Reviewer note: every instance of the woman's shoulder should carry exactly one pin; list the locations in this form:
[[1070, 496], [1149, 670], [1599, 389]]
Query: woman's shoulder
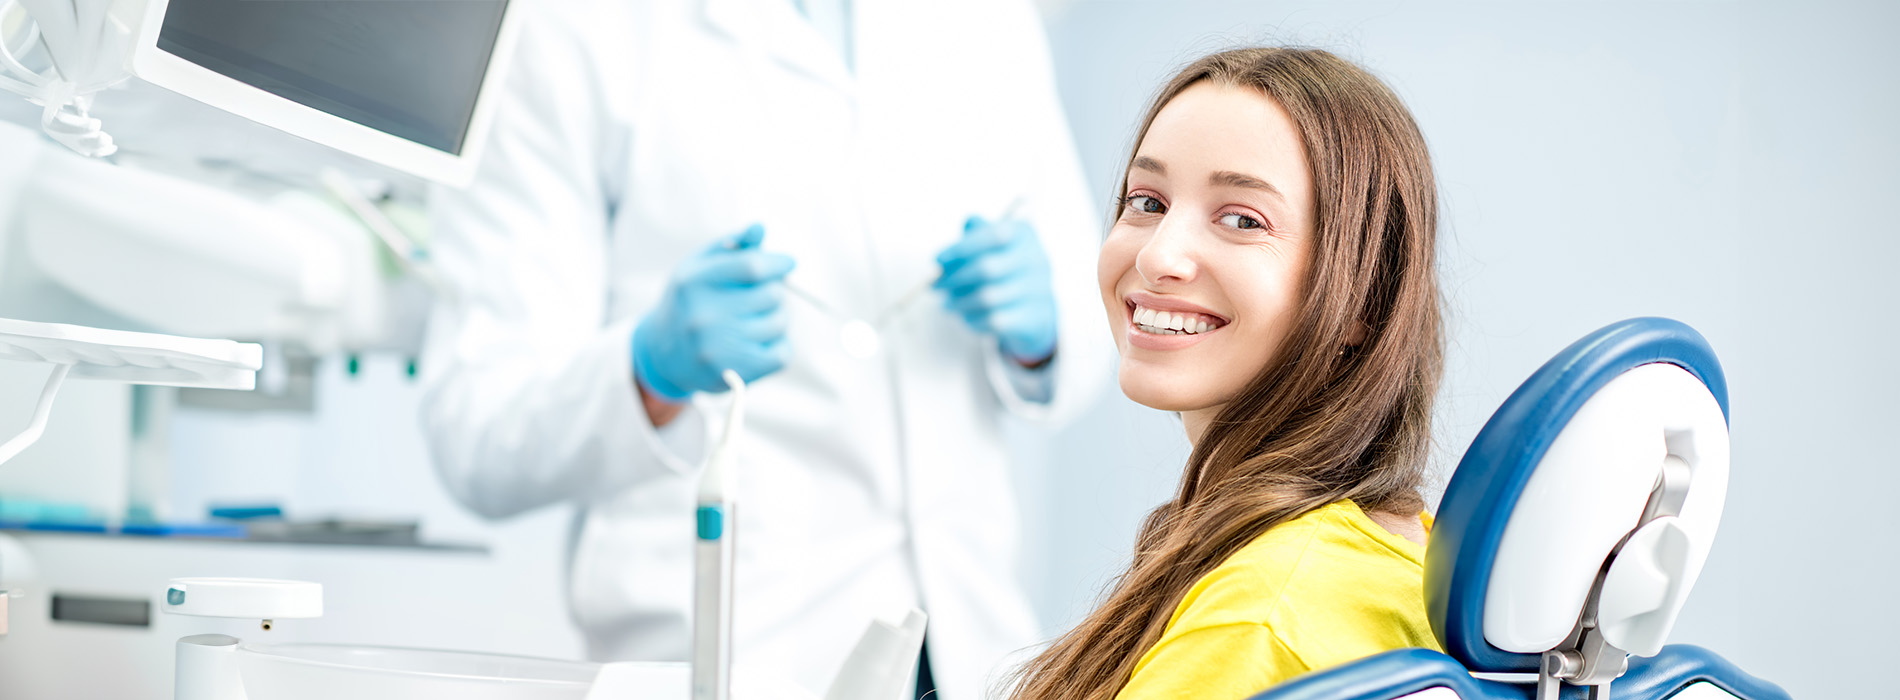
[[1333, 559], [1313, 592]]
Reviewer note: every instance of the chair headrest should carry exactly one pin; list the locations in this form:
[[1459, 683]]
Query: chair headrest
[[1611, 463]]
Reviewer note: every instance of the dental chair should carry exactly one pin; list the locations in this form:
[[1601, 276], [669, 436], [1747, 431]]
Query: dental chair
[[1570, 535]]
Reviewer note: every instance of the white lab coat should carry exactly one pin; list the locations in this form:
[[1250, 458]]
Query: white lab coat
[[637, 132]]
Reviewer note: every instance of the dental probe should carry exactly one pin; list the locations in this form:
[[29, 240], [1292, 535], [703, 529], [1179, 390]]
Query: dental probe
[[716, 529], [812, 299], [860, 337], [904, 301]]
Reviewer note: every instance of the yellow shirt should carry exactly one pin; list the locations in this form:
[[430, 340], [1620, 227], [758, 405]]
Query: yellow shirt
[[1318, 591]]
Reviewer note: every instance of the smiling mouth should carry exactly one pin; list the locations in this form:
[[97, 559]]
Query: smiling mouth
[[1158, 322]]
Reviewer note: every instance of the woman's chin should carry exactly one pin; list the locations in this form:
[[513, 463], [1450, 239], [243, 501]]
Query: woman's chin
[[1161, 393]]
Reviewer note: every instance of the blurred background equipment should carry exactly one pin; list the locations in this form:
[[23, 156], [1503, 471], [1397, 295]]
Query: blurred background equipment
[[239, 170], [403, 84]]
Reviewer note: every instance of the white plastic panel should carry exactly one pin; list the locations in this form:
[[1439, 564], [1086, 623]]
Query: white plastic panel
[[1438, 693], [1589, 492], [1674, 548], [330, 672], [628, 680], [1699, 691]]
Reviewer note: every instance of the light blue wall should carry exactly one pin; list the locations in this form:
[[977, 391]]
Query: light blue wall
[[1729, 164]]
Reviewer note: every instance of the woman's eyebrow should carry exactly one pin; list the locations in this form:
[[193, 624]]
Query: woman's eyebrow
[[1150, 165], [1230, 178]]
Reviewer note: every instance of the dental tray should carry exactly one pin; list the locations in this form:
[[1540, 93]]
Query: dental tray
[[138, 358], [79, 352]]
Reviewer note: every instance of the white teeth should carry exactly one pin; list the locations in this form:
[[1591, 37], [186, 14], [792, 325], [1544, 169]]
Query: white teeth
[[1165, 323]]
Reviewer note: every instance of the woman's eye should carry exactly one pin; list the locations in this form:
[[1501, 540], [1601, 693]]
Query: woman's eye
[[1241, 221], [1144, 204]]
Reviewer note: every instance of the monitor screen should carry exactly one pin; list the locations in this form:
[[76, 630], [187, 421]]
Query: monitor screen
[[409, 68]]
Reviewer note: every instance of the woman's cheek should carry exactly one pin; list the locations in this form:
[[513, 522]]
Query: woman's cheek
[[1114, 263]]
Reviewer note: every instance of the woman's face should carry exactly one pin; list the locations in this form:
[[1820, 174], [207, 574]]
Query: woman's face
[[1204, 272]]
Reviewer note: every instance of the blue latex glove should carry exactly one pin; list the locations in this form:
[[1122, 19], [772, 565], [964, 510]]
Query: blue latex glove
[[997, 278], [722, 310]]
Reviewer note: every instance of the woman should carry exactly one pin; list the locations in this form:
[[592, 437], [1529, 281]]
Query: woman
[[1270, 277]]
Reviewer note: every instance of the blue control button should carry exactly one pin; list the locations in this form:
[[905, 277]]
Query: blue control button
[[175, 597], [712, 522]]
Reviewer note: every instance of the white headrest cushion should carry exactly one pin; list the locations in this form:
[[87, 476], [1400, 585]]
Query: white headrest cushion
[[1589, 492]]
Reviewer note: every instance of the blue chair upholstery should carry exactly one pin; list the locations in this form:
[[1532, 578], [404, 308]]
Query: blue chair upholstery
[[1682, 665], [1471, 522], [1395, 674], [1401, 672]]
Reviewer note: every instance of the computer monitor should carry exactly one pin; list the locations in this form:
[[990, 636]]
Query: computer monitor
[[410, 84]]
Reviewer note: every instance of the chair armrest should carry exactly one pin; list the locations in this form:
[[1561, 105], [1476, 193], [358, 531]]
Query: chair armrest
[[1394, 674], [1679, 666]]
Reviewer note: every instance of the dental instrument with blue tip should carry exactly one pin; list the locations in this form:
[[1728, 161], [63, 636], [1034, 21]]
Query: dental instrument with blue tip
[[713, 558], [879, 666], [862, 338]]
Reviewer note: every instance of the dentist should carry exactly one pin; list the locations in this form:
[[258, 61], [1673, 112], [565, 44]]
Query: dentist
[[677, 187]]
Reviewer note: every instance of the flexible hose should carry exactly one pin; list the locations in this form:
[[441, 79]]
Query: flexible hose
[[67, 105], [37, 426], [24, 76]]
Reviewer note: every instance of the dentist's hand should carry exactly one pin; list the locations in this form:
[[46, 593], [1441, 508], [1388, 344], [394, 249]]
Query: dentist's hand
[[997, 278], [722, 310]]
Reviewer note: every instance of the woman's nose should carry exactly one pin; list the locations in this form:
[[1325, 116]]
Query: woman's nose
[[1168, 256]]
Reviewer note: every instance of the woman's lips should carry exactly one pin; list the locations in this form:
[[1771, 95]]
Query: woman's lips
[[1162, 342], [1172, 304]]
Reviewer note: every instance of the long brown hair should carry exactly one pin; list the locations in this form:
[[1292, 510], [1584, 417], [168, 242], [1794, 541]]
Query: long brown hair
[[1328, 421]]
